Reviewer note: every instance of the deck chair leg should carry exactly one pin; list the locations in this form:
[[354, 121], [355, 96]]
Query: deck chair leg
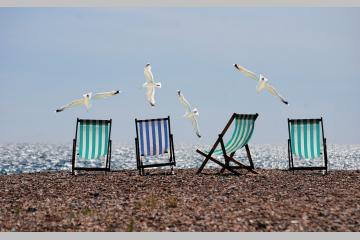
[[228, 162], [72, 166], [325, 156], [73, 157], [217, 162], [249, 156], [208, 156], [243, 166], [203, 165], [223, 169]]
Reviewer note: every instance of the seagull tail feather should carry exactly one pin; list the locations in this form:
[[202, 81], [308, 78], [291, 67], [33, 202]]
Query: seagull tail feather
[[286, 102]]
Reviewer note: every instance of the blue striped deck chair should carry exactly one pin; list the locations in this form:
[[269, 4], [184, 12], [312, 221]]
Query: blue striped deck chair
[[306, 143], [92, 142], [244, 125], [153, 138]]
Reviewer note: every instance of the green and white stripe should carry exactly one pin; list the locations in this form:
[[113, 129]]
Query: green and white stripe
[[241, 135], [305, 138], [93, 138]]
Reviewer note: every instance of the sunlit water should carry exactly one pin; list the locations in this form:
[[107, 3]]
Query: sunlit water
[[18, 158]]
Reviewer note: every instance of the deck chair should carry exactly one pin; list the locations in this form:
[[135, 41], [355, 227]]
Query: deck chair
[[94, 143], [243, 130], [153, 138], [305, 136]]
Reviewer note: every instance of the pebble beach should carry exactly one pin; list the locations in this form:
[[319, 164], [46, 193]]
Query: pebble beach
[[273, 200]]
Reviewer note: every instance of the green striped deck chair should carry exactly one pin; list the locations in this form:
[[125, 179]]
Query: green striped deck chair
[[244, 125], [306, 142], [92, 142]]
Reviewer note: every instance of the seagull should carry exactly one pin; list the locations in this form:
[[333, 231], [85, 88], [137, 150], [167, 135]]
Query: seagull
[[86, 100], [262, 82], [190, 114], [150, 85]]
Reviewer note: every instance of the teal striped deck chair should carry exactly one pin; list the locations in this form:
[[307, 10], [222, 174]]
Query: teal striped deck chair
[[244, 125], [306, 143], [154, 138], [92, 142]]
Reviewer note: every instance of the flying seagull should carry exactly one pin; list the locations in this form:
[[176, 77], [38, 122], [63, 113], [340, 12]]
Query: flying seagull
[[190, 114], [86, 100], [150, 85], [262, 82]]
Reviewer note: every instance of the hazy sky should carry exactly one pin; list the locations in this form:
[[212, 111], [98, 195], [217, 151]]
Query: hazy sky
[[49, 57]]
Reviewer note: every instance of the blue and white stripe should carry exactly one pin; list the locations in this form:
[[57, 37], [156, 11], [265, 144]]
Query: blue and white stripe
[[153, 137]]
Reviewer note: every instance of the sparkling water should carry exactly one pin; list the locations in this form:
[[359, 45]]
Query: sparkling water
[[24, 157]]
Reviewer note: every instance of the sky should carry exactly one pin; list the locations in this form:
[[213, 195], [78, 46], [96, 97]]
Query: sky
[[51, 56]]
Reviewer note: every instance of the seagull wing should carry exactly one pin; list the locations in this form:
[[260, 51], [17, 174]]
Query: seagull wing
[[150, 95], [273, 91], [105, 94], [246, 72], [70, 105], [184, 102], [148, 75], [195, 126]]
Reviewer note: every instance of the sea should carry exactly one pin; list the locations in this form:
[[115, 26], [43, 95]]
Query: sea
[[18, 158]]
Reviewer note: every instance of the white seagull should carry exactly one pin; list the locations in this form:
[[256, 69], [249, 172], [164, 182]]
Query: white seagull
[[86, 100], [150, 85], [190, 114], [262, 82]]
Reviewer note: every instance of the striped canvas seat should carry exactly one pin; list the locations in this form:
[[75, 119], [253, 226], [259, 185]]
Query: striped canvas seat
[[93, 138], [306, 138], [92, 142], [243, 130], [307, 142], [153, 136]]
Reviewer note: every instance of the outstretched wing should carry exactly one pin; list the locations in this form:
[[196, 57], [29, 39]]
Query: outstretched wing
[[195, 126], [148, 75], [184, 102], [273, 91], [246, 72], [70, 105], [150, 95], [105, 94]]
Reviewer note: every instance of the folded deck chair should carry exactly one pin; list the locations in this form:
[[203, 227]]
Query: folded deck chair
[[306, 136], [243, 130], [94, 143], [153, 138]]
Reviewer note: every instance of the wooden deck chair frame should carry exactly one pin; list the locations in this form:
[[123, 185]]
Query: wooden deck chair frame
[[108, 155], [139, 163], [290, 153], [228, 157]]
